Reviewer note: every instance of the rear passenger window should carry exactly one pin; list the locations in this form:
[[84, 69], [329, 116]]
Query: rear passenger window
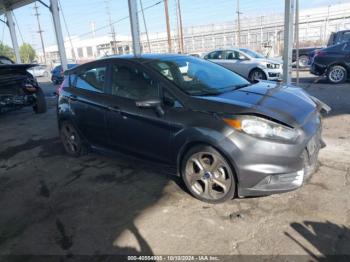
[[92, 79]]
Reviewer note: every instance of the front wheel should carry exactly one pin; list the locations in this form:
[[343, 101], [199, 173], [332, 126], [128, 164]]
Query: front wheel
[[256, 75], [337, 74], [207, 175], [72, 142]]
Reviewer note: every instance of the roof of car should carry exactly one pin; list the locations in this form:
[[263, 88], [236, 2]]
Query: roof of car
[[145, 56], [143, 59]]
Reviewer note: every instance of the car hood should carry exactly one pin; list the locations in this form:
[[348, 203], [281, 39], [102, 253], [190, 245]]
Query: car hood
[[288, 104], [13, 76]]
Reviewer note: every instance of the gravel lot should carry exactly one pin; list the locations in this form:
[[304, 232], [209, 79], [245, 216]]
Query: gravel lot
[[56, 205]]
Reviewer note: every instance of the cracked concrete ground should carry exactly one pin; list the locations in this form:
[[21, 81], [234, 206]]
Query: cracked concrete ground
[[54, 204]]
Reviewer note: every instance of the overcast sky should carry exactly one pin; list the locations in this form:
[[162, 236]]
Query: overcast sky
[[81, 14]]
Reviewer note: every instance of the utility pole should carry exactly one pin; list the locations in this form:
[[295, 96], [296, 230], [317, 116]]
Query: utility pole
[[40, 31], [297, 36], [93, 28], [145, 24], [262, 32], [238, 24], [181, 34], [166, 9], [135, 27], [288, 41], [326, 27], [114, 41]]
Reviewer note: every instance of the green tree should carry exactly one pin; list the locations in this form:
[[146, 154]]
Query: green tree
[[27, 53], [7, 51]]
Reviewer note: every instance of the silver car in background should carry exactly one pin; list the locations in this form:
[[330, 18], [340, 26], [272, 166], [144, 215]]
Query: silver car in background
[[39, 71], [249, 64]]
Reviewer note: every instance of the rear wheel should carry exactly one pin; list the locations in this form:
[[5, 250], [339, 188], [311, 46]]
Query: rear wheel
[[40, 106], [72, 142], [303, 61], [256, 75], [337, 74], [207, 175]]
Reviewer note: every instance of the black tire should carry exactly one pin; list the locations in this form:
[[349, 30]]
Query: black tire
[[257, 74], [40, 106], [207, 175], [72, 141], [337, 74]]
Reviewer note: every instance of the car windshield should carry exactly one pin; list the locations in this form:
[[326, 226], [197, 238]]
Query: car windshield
[[197, 76], [252, 53]]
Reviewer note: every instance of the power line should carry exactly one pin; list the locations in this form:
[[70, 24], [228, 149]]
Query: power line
[[121, 19], [65, 25]]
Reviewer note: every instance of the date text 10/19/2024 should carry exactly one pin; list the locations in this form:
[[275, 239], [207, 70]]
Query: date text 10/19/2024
[[173, 258]]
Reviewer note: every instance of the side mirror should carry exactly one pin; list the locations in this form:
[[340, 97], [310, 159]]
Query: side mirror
[[152, 103]]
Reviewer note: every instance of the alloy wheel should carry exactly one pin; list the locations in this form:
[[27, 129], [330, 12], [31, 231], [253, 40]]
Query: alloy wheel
[[207, 175], [70, 139], [336, 74], [257, 75], [303, 61]]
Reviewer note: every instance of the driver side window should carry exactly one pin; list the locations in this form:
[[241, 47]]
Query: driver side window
[[235, 55], [132, 83]]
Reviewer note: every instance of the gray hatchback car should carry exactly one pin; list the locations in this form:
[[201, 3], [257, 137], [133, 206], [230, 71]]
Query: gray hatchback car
[[224, 136]]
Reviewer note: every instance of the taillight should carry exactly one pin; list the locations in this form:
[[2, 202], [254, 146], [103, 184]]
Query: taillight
[[59, 89]]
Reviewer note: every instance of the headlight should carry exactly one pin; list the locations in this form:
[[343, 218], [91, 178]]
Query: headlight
[[273, 66], [262, 128]]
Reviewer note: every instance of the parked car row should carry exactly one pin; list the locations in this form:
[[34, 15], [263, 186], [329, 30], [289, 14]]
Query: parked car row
[[306, 54], [197, 117]]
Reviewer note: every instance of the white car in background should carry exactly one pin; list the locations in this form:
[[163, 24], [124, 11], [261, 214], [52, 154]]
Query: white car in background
[[39, 71], [249, 64]]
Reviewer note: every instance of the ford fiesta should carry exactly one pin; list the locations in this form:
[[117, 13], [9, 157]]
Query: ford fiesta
[[223, 135]]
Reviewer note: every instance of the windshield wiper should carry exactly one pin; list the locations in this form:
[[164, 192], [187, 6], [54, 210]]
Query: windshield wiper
[[241, 86]]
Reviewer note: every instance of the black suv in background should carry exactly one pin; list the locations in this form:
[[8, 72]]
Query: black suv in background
[[334, 62]]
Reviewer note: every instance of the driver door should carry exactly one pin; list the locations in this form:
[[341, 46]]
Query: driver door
[[132, 128], [236, 61]]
